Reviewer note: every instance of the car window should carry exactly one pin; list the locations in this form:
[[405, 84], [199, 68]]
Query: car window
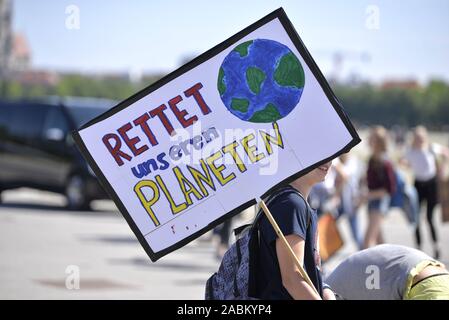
[[27, 121], [81, 115], [5, 117], [56, 120]]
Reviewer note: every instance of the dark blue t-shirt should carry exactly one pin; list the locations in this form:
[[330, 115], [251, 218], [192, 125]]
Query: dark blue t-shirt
[[294, 216]]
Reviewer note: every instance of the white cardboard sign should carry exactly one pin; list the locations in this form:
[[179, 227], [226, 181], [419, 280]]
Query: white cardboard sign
[[199, 145]]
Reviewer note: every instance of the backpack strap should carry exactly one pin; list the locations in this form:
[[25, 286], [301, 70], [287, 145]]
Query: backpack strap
[[269, 200], [255, 239], [275, 195], [239, 259], [238, 230], [271, 197]]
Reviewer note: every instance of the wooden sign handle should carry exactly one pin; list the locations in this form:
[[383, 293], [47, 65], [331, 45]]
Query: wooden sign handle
[[278, 231]]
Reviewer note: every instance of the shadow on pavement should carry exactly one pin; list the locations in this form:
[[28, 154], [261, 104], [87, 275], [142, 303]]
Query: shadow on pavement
[[89, 284], [110, 239], [168, 266], [205, 248], [30, 208]]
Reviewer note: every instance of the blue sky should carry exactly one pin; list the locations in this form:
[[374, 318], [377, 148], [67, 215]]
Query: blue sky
[[412, 40]]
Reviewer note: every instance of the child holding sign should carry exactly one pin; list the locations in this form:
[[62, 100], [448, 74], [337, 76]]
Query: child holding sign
[[278, 276]]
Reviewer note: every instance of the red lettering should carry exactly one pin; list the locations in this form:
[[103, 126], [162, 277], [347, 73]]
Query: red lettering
[[113, 142], [195, 92], [181, 114], [115, 150], [159, 112], [131, 142], [142, 122]]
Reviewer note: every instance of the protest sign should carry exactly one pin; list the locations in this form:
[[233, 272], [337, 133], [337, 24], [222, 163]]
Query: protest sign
[[199, 145]]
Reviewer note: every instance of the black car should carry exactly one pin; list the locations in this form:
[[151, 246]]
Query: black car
[[37, 150]]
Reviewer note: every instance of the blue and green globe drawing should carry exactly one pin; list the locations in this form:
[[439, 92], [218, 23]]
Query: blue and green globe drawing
[[260, 81]]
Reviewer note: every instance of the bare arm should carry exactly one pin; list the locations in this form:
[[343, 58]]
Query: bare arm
[[376, 194], [292, 280]]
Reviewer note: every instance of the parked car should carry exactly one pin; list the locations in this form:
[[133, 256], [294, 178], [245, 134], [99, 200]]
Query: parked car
[[37, 150]]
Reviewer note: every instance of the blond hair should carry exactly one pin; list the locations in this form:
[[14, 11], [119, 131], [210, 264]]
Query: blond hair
[[420, 132], [380, 137]]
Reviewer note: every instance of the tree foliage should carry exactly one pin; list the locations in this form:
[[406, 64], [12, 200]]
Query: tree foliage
[[366, 104]]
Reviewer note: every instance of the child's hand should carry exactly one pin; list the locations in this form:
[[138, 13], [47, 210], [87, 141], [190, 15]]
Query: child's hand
[[328, 294]]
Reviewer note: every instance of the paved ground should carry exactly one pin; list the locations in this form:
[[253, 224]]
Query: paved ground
[[40, 243]]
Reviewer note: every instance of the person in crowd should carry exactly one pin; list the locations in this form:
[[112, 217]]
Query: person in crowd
[[390, 272], [223, 232], [323, 196], [423, 158], [347, 182], [338, 194], [381, 184], [400, 135], [278, 276]]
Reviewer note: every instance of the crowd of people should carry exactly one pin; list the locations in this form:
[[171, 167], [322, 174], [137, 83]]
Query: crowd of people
[[380, 184]]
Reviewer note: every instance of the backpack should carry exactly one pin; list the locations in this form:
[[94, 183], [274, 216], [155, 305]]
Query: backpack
[[235, 278], [405, 197], [397, 197]]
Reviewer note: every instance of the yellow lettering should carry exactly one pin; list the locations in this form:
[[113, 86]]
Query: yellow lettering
[[231, 149], [183, 182], [147, 204], [267, 139], [199, 177], [174, 207], [217, 170], [251, 150]]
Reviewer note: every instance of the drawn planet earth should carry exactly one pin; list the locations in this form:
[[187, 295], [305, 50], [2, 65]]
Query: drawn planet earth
[[260, 81]]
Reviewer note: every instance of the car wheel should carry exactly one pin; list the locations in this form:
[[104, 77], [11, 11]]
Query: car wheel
[[75, 193]]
